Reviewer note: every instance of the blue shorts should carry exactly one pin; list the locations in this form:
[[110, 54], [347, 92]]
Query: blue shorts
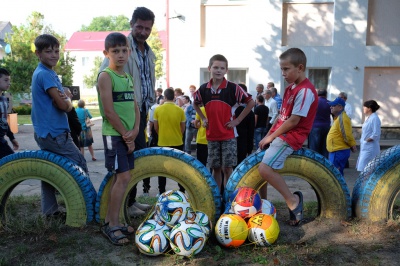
[[116, 155], [275, 156]]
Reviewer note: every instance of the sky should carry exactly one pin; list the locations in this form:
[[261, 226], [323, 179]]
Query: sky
[[67, 16]]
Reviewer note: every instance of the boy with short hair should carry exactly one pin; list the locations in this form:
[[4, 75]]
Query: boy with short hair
[[49, 115], [219, 97], [121, 118], [5, 82], [291, 128]]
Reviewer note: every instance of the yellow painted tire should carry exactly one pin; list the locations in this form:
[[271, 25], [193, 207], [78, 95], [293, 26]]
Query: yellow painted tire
[[377, 187], [179, 166], [329, 185], [69, 179]]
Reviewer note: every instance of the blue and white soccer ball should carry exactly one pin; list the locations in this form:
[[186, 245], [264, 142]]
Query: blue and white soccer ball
[[152, 237], [172, 207], [187, 238], [202, 220]]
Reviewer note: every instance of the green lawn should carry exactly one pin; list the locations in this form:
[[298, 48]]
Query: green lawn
[[26, 119]]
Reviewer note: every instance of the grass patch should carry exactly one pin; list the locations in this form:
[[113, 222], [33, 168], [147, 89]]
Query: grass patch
[[26, 119]]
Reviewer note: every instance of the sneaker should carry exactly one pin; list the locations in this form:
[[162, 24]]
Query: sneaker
[[145, 194], [133, 211], [141, 206]]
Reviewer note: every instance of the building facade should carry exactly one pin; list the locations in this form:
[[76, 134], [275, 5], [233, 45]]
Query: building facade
[[351, 45]]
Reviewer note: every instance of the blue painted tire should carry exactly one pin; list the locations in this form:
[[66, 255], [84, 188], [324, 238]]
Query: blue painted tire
[[329, 185], [377, 187], [69, 179], [198, 182]]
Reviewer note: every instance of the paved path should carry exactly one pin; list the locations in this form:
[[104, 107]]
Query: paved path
[[97, 170]]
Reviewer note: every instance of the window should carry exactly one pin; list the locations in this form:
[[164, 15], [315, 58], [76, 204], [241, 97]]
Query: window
[[318, 76], [85, 61], [307, 24], [234, 75]]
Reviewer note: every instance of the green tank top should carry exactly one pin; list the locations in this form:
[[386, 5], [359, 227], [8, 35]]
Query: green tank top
[[124, 102]]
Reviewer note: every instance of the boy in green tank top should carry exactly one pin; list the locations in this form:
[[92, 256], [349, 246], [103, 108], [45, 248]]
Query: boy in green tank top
[[121, 118]]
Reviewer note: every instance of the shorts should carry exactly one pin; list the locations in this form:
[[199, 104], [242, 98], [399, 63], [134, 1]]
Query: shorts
[[275, 156], [222, 153], [116, 155]]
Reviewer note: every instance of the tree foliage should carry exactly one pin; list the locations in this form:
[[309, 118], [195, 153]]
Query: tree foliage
[[108, 23], [121, 23], [22, 61], [91, 79]]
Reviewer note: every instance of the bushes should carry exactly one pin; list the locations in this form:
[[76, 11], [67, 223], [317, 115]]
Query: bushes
[[22, 110]]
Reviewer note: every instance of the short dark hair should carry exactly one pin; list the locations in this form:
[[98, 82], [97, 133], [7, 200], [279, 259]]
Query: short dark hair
[[260, 98], [45, 41], [169, 94], [243, 86], [4, 72], [115, 39], [322, 92], [372, 104], [187, 98], [218, 57], [159, 90], [142, 13], [296, 56]]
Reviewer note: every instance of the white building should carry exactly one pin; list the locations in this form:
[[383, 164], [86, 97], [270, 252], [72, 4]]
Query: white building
[[351, 45]]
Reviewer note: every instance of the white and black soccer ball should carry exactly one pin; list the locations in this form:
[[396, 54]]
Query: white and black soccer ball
[[187, 238], [172, 207], [152, 237]]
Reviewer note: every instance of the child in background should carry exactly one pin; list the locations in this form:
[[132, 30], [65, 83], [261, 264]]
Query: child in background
[[5, 82]]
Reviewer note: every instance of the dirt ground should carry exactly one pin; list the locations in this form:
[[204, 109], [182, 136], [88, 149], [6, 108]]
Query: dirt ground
[[315, 242]]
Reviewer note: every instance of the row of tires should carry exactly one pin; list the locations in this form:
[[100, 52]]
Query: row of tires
[[373, 196]]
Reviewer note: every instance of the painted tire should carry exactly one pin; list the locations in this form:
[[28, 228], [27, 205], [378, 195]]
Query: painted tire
[[69, 179], [377, 187], [177, 165], [329, 185]]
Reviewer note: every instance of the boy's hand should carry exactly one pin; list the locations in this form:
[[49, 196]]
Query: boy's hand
[[131, 147], [354, 148], [205, 122], [15, 144], [130, 136], [232, 124], [265, 141]]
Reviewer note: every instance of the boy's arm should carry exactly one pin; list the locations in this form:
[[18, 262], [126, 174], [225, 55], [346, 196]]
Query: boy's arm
[[131, 135], [60, 100], [290, 123], [243, 114], [183, 126], [156, 126], [10, 135], [200, 113], [105, 90]]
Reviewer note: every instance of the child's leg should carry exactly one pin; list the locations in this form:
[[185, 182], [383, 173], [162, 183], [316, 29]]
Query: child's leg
[[216, 172], [117, 193], [228, 157], [48, 200]]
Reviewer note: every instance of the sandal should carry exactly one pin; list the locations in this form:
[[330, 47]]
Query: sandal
[[296, 215], [125, 229], [109, 232]]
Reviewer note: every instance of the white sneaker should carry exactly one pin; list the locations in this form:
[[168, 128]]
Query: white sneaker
[[133, 211], [145, 194], [142, 206]]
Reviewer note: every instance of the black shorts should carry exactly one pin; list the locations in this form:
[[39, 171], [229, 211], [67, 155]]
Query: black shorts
[[116, 155]]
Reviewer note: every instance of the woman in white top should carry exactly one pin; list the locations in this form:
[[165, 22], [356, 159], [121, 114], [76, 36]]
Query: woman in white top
[[371, 133]]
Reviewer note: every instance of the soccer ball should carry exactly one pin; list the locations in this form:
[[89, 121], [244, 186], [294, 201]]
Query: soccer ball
[[268, 208], [173, 195], [263, 229], [245, 202], [151, 238], [231, 230], [201, 219], [187, 238], [172, 207]]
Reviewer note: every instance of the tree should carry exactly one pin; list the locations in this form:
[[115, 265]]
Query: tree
[[22, 61], [91, 79], [108, 23], [121, 23]]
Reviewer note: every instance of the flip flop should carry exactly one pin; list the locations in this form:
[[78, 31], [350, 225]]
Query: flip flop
[[296, 215], [109, 232]]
